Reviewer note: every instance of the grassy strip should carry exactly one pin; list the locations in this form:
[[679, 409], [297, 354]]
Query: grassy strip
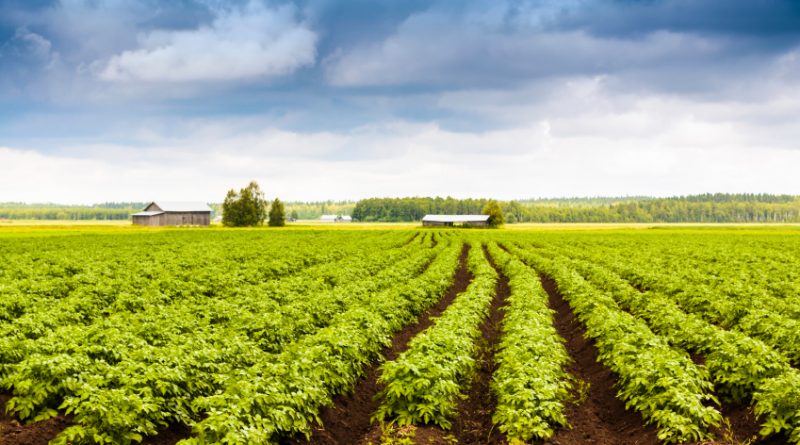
[[424, 384], [530, 398]]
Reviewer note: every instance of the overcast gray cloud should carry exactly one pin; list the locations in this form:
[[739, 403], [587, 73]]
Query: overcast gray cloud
[[318, 98]]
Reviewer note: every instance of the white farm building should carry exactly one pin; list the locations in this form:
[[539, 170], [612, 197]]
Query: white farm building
[[335, 218], [456, 220]]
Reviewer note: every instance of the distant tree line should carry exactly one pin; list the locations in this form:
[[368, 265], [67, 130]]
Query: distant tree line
[[308, 210], [413, 209], [721, 207], [708, 208], [104, 211], [313, 210]]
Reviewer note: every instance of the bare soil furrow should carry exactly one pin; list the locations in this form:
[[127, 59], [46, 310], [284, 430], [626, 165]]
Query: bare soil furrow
[[473, 426], [596, 416], [347, 421], [13, 432]]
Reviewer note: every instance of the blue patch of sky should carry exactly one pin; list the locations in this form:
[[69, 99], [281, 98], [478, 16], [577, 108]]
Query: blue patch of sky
[[635, 17]]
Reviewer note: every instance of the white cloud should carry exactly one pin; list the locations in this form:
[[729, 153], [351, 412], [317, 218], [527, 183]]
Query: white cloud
[[581, 135], [240, 44], [653, 146]]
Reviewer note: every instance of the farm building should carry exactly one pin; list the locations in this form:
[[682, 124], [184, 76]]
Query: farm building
[[456, 220], [164, 213], [335, 218]]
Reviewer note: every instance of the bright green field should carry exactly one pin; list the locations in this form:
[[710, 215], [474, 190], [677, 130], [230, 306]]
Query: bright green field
[[243, 335]]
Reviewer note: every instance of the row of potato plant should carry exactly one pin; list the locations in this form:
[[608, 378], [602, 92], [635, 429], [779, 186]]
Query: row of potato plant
[[118, 349], [423, 385], [745, 288], [660, 382], [743, 368], [531, 383], [280, 398], [107, 281], [47, 282], [141, 369]]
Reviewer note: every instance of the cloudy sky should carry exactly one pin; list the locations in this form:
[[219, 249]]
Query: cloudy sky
[[105, 100]]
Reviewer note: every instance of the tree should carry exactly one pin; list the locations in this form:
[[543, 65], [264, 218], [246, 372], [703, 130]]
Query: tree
[[277, 214], [492, 208], [244, 209], [295, 215]]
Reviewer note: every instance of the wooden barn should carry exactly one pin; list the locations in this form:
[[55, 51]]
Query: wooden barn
[[165, 213], [456, 220]]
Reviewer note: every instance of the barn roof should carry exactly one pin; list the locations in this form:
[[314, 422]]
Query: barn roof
[[456, 218], [147, 213], [181, 206]]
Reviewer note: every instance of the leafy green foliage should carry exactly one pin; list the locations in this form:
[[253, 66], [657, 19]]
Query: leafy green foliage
[[186, 328], [244, 337], [660, 382], [283, 396], [530, 399], [424, 384], [684, 301]]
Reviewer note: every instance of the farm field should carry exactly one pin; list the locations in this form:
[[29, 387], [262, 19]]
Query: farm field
[[400, 335]]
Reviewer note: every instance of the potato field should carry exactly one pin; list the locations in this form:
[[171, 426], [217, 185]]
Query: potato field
[[400, 336]]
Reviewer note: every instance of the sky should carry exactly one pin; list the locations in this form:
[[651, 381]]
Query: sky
[[107, 100]]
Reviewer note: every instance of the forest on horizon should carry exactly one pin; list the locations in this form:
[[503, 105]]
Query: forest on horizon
[[703, 208]]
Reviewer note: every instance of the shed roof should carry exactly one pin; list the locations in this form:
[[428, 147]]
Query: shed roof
[[456, 218], [147, 213], [181, 206]]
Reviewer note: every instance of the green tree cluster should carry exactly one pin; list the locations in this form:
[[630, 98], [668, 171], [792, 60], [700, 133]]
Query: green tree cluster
[[246, 208], [492, 208], [277, 214]]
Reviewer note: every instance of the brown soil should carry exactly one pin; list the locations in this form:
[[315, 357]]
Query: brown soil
[[741, 427], [347, 421], [599, 418], [410, 240], [603, 419], [169, 436], [473, 425], [39, 433]]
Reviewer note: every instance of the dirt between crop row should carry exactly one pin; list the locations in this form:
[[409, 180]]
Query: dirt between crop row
[[473, 425], [602, 419], [13, 432], [347, 421]]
